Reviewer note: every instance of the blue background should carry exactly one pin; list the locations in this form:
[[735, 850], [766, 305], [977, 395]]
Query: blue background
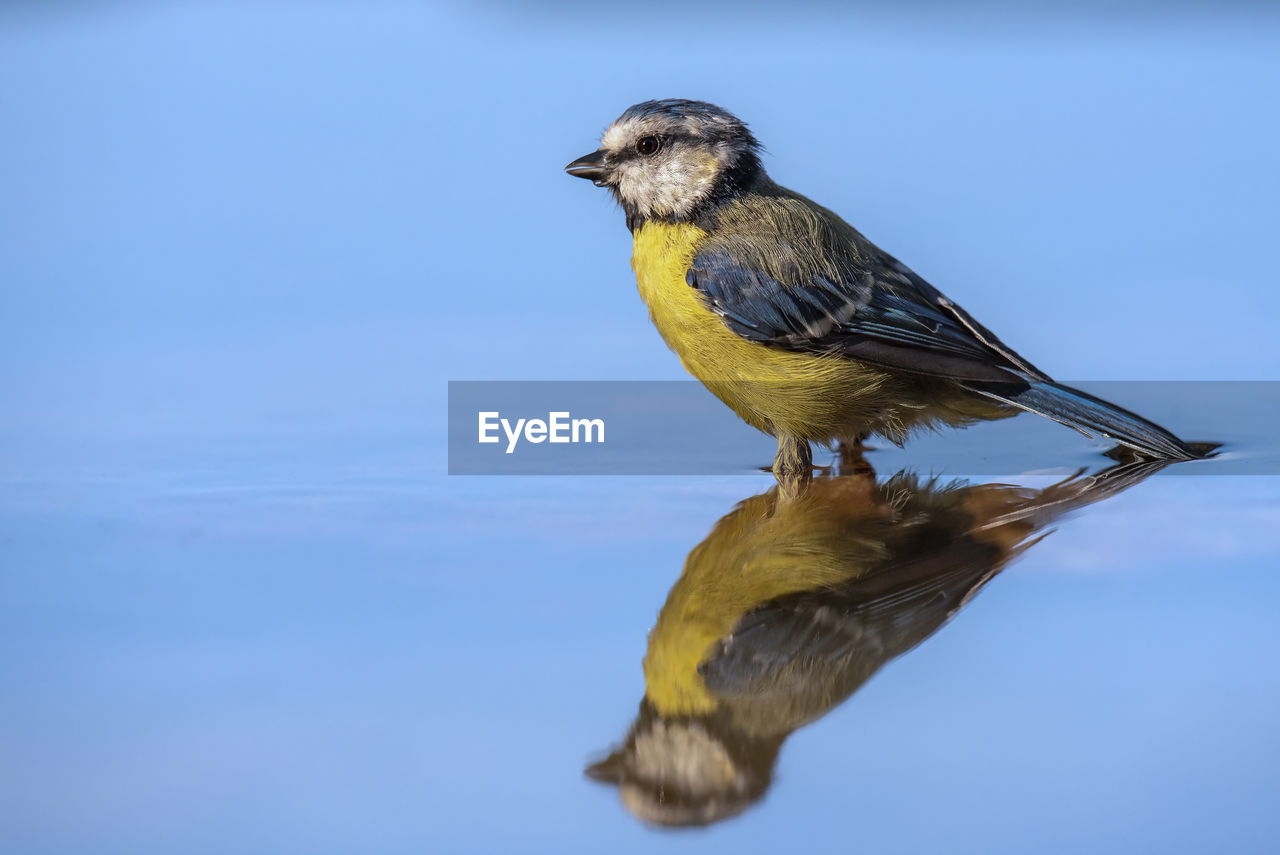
[[243, 246]]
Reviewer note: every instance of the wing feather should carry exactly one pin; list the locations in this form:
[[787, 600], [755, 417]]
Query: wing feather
[[814, 284]]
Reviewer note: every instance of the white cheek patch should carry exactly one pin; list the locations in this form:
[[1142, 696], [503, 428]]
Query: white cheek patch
[[680, 183], [673, 182], [671, 186]]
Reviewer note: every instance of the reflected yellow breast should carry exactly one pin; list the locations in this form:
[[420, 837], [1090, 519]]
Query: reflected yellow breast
[[761, 551]]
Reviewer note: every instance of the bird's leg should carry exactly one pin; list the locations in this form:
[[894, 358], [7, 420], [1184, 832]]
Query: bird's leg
[[851, 460], [794, 461]]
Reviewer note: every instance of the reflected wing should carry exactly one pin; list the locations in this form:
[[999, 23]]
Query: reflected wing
[[815, 648]]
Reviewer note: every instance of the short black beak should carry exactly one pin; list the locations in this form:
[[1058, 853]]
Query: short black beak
[[590, 167], [610, 770]]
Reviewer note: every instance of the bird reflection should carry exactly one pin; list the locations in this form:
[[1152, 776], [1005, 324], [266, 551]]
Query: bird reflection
[[793, 601]]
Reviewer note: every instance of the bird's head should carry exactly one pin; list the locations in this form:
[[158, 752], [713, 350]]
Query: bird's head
[[671, 159], [687, 771]]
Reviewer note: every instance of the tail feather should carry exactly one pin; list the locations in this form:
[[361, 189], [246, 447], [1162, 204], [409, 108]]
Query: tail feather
[[1092, 417]]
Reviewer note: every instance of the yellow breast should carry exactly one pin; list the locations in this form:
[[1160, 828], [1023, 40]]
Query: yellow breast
[[777, 391]]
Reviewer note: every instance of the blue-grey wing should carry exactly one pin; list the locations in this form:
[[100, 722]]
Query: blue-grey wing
[[792, 275]]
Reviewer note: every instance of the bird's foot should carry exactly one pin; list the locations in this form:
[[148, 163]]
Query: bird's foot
[[851, 459], [793, 464]]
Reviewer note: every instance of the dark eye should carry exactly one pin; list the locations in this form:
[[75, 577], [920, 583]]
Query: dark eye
[[648, 145]]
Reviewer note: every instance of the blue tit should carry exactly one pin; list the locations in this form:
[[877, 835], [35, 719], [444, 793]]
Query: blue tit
[[790, 605], [801, 325]]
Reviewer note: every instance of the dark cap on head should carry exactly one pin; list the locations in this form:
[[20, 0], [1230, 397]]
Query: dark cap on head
[[699, 119]]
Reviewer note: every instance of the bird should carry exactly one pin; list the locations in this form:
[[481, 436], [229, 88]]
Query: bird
[[801, 325], [788, 607]]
